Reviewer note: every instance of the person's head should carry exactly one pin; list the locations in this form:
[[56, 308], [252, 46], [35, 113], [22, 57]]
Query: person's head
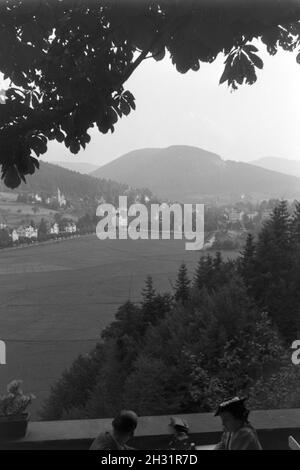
[[233, 413], [124, 425]]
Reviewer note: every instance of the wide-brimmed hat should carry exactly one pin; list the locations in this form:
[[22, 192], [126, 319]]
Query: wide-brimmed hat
[[233, 404]]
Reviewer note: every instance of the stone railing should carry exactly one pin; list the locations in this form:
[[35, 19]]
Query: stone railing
[[153, 432]]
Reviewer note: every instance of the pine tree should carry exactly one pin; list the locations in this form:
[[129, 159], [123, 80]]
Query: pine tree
[[247, 253], [295, 225], [273, 283], [280, 225], [217, 261], [204, 273], [148, 292], [219, 270], [199, 276], [182, 285], [42, 230], [246, 261], [5, 239], [154, 306], [273, 252]]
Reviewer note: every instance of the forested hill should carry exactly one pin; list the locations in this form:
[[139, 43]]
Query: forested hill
[[188, 174], [73, 184]]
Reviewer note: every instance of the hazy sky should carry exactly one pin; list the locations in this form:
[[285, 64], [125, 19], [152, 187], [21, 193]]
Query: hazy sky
[[193, 109]]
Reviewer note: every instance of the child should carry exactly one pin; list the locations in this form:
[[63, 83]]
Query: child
[[180, 440]]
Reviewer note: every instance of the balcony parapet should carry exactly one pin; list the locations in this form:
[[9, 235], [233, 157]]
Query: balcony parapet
[[153, 432]]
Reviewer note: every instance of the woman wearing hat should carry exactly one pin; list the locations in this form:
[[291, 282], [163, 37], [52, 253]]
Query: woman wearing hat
[[238, 433]]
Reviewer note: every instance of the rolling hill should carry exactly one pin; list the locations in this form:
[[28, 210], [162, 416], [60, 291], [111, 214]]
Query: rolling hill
[[281, 165], [73, 184], [81, 167], [190, 174]]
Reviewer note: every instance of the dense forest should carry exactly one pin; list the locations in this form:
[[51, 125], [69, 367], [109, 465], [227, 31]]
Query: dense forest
[[225, 329], [73, 185]]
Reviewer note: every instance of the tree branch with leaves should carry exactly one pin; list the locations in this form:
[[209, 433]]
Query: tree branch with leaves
[[68, 61]]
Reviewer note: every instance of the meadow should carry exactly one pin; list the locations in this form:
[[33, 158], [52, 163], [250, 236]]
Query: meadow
[[56, 298], [14, 213]]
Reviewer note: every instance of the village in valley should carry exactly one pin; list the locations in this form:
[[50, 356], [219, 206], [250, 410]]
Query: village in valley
[[29, 217]]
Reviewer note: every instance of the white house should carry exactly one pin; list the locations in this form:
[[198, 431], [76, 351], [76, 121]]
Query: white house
[[235, 216], [14, 235], [71, 227], [31, 232], [209, 243], [252, 215], [27, 232], [2, 352], [61, 198], [54, 229]]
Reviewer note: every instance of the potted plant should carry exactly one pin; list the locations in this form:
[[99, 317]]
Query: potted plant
[[13, 418]]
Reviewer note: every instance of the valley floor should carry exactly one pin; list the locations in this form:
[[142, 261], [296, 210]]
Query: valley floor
[[56, 298]]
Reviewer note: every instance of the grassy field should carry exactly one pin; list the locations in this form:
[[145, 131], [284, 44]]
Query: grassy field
[[16, 213], [56, 298], [13, 213], [8, 197]]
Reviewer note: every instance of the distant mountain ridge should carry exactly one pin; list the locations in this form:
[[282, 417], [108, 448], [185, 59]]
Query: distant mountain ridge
[[281, 165], [188, 174], [81, 167]]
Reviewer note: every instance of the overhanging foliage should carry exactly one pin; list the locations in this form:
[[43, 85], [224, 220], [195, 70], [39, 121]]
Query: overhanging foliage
[[68, 60]]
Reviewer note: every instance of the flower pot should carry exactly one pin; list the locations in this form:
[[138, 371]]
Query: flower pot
[[13, 426]]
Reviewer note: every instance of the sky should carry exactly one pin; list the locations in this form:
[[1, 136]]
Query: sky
[[193, 109]]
